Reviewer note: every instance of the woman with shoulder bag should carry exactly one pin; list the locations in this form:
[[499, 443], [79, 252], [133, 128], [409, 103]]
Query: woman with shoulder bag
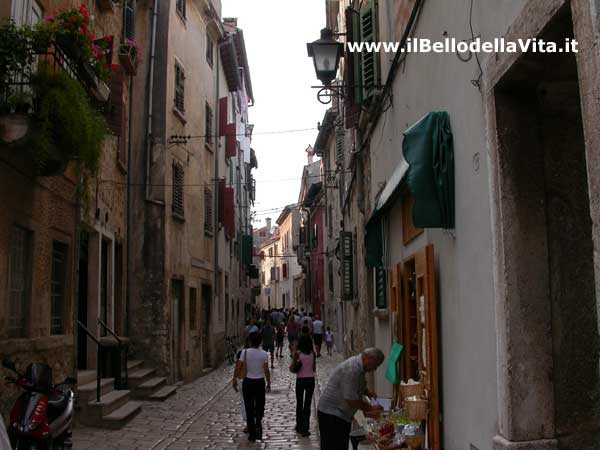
[[254, 369], [304, 365]]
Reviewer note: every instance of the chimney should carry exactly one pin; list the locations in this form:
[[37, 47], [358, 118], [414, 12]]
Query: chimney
[[268, 220], [310, 153]]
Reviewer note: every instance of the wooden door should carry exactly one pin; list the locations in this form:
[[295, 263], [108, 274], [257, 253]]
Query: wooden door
[[421, 333]]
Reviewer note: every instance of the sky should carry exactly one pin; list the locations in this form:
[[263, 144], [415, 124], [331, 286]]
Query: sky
[[276, 33]]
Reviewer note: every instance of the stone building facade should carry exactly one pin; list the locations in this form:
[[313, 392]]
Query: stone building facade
[[508, 287], [64, 253]]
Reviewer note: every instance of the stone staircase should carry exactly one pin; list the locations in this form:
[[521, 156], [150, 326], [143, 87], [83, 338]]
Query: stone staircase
[[116, 408]]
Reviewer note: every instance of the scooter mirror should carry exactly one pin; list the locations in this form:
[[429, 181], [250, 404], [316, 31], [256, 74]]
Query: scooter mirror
[[6, 362]]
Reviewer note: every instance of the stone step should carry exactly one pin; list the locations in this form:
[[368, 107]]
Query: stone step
[[134, 364], [85, 376], [120, 417], [140, 376], [163, 393], [148, 387], [87, 392], [95, 411]]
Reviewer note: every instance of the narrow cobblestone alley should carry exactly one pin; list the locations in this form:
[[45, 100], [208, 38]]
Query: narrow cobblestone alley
[[206, 414]]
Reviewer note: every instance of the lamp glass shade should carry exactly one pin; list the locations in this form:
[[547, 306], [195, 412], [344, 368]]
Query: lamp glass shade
[[326, 53]]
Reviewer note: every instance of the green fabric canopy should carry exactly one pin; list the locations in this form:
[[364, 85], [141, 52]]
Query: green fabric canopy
[[428, 149]]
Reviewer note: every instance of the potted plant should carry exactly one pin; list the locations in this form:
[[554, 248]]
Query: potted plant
[[66, 127], [128, 56]]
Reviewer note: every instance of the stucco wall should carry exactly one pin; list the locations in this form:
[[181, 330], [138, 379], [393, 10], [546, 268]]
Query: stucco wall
[[463, 256]]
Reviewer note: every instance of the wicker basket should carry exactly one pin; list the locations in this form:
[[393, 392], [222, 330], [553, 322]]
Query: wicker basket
[[415, 442], [412, 390], [416, 408]]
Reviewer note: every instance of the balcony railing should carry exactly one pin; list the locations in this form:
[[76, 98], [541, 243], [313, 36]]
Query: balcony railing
[[57, 60]]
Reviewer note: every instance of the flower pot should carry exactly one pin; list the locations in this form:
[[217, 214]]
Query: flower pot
[[106, 5], [13, 127], [128, 61]]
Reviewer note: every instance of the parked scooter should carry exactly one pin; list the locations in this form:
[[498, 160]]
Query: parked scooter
[[42, 417]]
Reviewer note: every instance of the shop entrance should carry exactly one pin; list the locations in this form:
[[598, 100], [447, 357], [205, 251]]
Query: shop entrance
[[546, 293]]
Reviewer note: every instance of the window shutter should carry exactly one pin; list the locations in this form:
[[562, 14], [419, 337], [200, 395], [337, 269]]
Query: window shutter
[[231, 141], [208, 210], [285, 272], [370, 63], [380, 287], [223, 116], [129, 20], [221, 198], [352, 76], [340, 136], [229, 213], [347, 266], [179, 88], [315, 236], [115, 114], [178, 178]]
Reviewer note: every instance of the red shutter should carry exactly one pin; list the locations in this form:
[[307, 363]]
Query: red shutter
[[221, 194], [231, 141], [229, 213], [223, 116]]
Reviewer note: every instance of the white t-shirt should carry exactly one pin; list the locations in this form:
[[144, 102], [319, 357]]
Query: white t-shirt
[[317, 327], [255, 364]]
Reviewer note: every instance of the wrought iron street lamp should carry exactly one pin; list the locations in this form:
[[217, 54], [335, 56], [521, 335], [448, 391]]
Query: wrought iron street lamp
[[326, 53]]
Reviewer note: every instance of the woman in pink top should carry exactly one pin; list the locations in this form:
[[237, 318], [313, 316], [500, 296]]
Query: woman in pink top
[[305, 383]]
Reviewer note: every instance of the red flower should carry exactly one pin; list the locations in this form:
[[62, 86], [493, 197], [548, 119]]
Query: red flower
[[108, 38], [84, 28], [115, 67], [74, 19]]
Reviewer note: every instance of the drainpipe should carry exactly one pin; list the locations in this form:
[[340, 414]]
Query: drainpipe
[[129, 225], [149, 97], [216, 293]]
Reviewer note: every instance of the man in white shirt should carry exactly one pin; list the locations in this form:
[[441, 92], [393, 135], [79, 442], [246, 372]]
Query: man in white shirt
[[318, 334]]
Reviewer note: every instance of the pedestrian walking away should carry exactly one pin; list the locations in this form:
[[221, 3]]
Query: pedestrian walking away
[[279, 335], [329, 341], [304, 364], [318, 334], [257, 381], [343, 396], [292, 332], [268, 340]]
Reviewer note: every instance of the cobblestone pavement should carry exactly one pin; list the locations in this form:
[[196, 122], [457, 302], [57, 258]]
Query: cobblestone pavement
[[205, 414]]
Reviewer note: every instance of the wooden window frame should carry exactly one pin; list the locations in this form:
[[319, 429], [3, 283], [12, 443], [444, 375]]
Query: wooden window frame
[[409, 231], [25, 260], [210, 50], [58, 288]]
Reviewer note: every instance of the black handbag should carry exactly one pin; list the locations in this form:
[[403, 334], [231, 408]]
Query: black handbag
[[296, 364]]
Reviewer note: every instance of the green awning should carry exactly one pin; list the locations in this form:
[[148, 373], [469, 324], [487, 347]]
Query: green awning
[[428, 149]]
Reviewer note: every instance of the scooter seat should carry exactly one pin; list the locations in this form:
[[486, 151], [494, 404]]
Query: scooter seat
[[57, 403]]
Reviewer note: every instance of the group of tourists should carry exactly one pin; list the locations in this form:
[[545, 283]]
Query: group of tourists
[[305, 333], [345, 393]]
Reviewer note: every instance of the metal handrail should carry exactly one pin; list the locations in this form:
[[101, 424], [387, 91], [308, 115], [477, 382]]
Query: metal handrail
[[106, 327], [90, 335], [121, 345]]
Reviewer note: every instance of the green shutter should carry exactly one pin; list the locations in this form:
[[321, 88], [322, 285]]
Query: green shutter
[[347, 266], [380, 287], [357, 61], [370, 60]]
